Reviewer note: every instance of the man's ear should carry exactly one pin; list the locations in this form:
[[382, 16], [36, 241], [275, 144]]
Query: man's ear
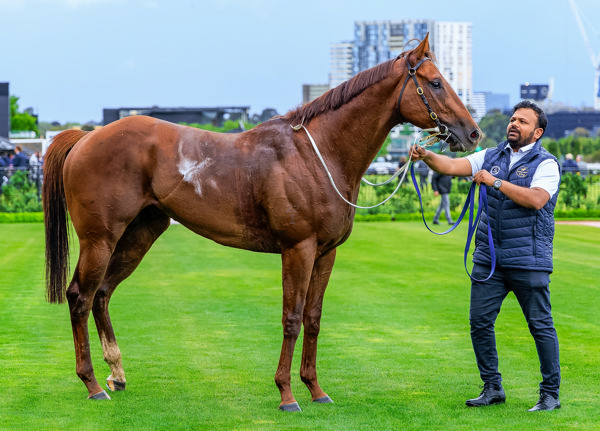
[[538, 133]]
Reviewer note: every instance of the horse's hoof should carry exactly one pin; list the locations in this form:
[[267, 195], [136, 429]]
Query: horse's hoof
[[99, 396], [114, 385], [323, 400], [294, 407]]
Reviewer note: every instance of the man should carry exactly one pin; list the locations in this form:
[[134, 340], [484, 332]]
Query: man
[[522, 181], [569, 165], [20, 160], [423, 171], [582, 165], [441, 185]]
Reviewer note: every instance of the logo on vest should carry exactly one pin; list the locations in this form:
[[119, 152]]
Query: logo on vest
[[522, 172], [495, 170]]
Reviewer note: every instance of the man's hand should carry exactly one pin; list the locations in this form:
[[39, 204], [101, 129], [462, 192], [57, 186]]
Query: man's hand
[[534, 198], [417, 153], [484, 177], [459, 167]]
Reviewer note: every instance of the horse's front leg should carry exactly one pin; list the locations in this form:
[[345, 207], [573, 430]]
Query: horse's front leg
[[297, 264], [312, 323]]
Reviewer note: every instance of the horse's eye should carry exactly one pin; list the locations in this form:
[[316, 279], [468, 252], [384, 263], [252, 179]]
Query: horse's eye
[[436, 83]]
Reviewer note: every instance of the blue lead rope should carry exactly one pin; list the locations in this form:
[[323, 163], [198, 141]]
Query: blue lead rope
[[469, 203]]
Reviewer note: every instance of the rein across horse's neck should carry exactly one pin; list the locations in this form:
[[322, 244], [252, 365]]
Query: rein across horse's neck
[[332, 181], [435, 135], [424, 142]]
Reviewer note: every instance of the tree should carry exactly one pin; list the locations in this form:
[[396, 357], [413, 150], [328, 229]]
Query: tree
[[21, 121], [581, 132], [493, 125]]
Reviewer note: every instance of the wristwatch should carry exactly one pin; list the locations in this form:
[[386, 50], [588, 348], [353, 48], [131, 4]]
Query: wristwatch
[[497, 183]]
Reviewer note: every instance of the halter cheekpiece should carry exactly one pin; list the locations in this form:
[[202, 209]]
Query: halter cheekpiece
[[412, 73]]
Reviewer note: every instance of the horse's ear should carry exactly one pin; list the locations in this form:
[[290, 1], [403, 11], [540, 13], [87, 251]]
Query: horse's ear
[[423, 47]]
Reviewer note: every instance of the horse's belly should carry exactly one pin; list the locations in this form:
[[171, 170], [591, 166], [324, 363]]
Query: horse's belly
[[230, 235], [225, 219]]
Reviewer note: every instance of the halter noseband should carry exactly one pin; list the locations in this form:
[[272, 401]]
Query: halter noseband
[[412, 72]]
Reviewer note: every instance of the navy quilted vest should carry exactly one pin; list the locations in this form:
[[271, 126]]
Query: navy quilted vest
[[522, 236]]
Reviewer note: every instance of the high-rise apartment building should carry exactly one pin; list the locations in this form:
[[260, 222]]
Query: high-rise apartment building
[[341, 63], [453, 50], [378, 41]]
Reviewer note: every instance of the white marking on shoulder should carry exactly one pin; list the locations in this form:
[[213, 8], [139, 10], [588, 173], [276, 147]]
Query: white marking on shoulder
[[191, 170]]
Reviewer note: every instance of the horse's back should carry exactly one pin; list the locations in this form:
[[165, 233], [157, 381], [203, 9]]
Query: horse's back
[[208, 181], [253, 190]]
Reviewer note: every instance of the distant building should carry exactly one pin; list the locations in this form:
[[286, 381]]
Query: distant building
[[266, 114], [478, 105], [561, 124], [4, 110], [483, 102], [378, 41], [215, 116], [311, 91], [453, 49], [341, 63], [535, 92], [402, 137]]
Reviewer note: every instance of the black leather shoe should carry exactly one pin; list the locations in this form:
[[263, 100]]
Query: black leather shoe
[[492, 394], [436, 222], [546, 403]]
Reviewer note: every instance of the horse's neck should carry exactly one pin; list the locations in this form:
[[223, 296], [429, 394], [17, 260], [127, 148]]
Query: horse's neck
[[356, 138]]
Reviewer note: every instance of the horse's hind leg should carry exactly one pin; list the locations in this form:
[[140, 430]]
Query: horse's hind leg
[[312, 323], [89, 272], [131, 248]]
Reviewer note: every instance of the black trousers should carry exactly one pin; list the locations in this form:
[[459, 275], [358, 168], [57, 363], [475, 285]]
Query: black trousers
[[533, 293]]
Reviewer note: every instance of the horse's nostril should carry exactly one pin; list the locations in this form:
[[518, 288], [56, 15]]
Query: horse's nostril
[[474, 135]]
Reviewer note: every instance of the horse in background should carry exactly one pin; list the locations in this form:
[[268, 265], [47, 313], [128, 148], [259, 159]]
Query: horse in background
[[262, 190]]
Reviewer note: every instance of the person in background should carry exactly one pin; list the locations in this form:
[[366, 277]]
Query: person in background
[[441, 185], [569, 166], [34, 160], [20, 160], [423, 171], [582, 165], [522, 181]]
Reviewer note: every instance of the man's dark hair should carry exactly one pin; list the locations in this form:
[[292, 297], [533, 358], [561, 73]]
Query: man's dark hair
[[542, 120]]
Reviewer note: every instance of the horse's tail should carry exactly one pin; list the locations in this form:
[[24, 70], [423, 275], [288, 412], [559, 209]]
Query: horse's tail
[[55, 215]]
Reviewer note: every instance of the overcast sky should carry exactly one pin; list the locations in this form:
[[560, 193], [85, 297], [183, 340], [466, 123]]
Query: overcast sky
[[69, 59]]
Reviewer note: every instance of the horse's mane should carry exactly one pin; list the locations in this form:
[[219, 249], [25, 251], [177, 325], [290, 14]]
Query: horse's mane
[[346, 91], [341, 94]]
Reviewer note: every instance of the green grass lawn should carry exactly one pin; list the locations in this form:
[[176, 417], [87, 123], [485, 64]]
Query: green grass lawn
[[199, 326]]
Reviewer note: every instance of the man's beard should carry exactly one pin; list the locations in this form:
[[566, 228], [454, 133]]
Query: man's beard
[[520, 141]]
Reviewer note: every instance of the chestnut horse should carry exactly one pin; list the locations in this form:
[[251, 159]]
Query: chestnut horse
[[263, 190]]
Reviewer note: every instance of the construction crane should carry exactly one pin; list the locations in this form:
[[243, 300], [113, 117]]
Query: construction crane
[[595, 58]]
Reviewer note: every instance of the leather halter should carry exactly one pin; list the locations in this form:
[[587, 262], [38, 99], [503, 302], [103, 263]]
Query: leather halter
[[412, 72]]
